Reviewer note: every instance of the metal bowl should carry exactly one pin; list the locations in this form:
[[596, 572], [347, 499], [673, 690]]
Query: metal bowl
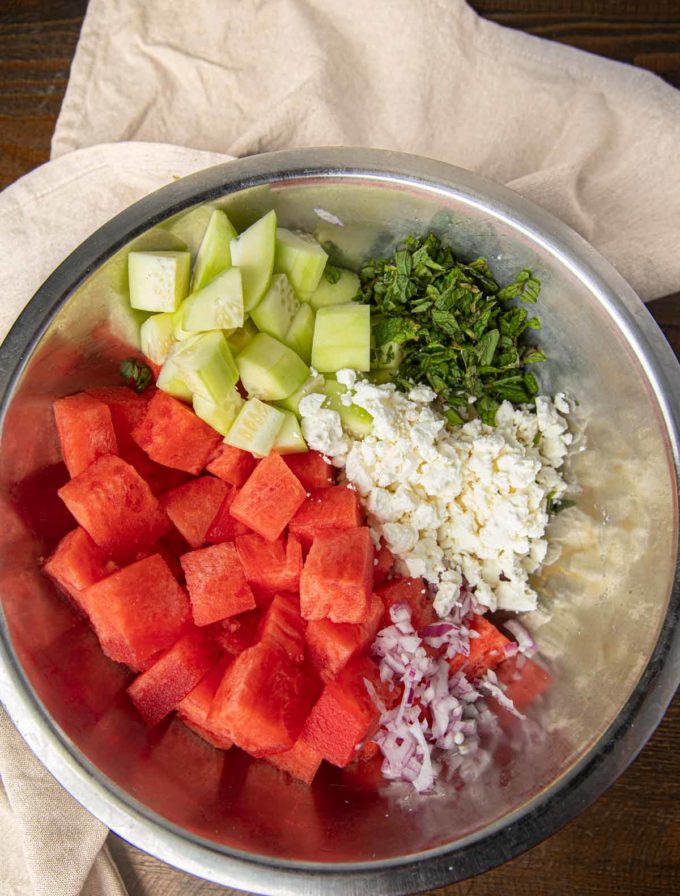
[[608, 622]]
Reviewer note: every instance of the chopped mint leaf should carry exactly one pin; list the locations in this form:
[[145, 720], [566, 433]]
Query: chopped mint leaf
[[331, 273], [136, 374]]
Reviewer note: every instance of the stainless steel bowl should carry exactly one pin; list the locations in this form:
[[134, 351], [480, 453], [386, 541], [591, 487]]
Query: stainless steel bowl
[[608, 622]]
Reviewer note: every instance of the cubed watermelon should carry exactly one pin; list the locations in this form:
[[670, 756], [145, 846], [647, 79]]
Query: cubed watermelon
[[232, 465], [216, 583], [175, 674], [159, 478], [193, 506], [412, 592], [523, 679], [336, 507], [78, 563], [345, 715], [269, 499], [262, 702], [127, 409], [115, 506], [85, 430], [224, 527], [238, 633], [270, 565], [487, 650], [311, 469], [194, 708], [174, 436], [332, 645], [283, 626], [382, 565], [302, 761], [137, 611], [337, 577]]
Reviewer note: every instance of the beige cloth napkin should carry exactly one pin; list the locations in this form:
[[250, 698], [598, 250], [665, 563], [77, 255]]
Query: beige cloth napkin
[[596, 142]]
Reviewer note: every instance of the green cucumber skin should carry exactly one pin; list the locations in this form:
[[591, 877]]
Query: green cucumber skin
[[253, 252], [214, 253], [300, 334]]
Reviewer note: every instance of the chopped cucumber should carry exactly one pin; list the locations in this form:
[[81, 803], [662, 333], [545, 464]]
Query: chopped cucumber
[[343, 290], [178, 330], [171, 377], [207, 366], [214, 253], [253, 252], [157, 336], [387, 356], [158, 280], [301, 258], [342, 338], [357, 421], [277, 309], [218, 306], [312, 384], [242, 337], [300, 333], [269, 369], [290, 439], [256, 427], [220, 415]]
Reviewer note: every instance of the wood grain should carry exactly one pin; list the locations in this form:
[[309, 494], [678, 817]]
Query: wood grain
[[629, 840]]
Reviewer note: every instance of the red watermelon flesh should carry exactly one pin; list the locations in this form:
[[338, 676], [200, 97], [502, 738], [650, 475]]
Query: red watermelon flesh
[[194, 708], [331, 645], [269, 499], [336, 507], [85, 430], [413, 592], [524, 680], [311, 469], [238, 633], [232, 465], [382, 565], [224, 527], [487, 650], [77, 563], [172, 435], [137, 611], [344, 716], [127, 409], [283, 626], [159, 478], [302, 761], [115, 506], [216, 583], [270, 565], [157, 691], [262, 702], [337, 577], [193, 506]]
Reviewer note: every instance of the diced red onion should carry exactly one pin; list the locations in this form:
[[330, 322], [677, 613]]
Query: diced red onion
[[525, 643]]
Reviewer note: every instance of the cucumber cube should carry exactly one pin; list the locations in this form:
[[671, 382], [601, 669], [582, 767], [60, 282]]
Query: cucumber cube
[[269, 369], [253, 252], [256, 427], [242, 337], [218, 306], [277, 309], [387, 356], [220, 415], [312, 384], [157, 336], [206, 365], [355, 420], [171, 379], [300, 333], [214, 253], [290, 439], [342, 338], [158, 280], [343, 290], [301, 258]]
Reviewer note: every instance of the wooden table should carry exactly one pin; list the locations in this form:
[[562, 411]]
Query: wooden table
[[629, 841]]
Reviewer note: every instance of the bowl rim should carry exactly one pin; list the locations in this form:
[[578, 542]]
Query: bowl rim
[[564, 798]]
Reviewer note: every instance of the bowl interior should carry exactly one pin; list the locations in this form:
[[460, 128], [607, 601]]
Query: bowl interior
[[603, 596]]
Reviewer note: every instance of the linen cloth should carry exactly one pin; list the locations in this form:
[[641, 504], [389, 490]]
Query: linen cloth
[[595, 142]]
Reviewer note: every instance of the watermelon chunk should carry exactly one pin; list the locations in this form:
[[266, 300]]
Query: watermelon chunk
[[344, 716], [382, 565], [311, 469], [336, 507], [77, 563], [487, 650], [413, 592], [262, 702], [224, 527], [194, 708], [157, 691], [137, 611], [283, 626], [172, 435], [115, 506], [193, 506], [127, 409], [159, 478], [524, 680], [269, 499], [238, 633], [233, 465], [85, 430], [302, 761], [332, 645], [337, 578], [217, 586], [270, 565]]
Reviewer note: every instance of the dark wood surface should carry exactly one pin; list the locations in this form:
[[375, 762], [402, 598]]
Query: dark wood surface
[[629, 840]]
